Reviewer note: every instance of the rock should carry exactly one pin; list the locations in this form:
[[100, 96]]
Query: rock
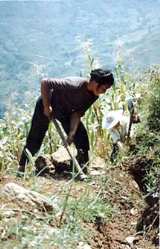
[[8, 213], [125, 247], [97, 167], [21, 196], [83, 245], [134, 211], [97, 172], [61, 155], [131, 240], [43, 166], [135, 184], [98, 164], [59, 162]]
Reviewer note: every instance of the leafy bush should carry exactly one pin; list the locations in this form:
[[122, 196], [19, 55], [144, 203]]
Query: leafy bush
[[153, 118], [147, 134]]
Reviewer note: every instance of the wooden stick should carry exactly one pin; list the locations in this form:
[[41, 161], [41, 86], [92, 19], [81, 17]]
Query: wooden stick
[[61, 134], [130, 123]]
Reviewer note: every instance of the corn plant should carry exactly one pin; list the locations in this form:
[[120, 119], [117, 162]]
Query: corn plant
[[114, 99]]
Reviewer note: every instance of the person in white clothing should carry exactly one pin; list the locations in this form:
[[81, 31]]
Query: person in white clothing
[[118, 123]]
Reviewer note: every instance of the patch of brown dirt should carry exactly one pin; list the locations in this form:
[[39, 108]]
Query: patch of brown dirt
[[122, 188], [138, 167], [149, 220], [125, 194]]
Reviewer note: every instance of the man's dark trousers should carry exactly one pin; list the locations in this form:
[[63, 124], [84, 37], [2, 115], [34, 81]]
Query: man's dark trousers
[[39, 126]]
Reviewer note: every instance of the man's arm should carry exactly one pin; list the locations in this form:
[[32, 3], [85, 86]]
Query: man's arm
[[46, 97], [74, 123]]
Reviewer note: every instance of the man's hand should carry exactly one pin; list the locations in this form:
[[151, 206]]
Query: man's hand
[[70, 138], [48, 111]]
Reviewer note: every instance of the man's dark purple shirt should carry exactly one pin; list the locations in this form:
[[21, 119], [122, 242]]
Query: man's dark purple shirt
[[70, 95]]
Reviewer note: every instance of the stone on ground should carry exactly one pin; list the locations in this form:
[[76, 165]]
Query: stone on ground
[[21, 195]]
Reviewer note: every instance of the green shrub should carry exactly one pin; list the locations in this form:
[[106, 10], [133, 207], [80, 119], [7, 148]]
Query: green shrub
[[153, 118]]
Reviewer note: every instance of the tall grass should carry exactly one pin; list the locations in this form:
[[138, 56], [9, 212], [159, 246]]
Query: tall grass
[[88, 206]]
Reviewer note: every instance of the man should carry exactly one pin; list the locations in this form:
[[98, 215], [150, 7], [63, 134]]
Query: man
[[66, 100], [118, 123]]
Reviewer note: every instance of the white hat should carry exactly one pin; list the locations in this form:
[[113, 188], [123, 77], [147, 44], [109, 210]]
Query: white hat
[[111, 118]]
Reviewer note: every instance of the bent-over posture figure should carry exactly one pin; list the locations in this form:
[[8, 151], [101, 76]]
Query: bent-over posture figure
[[117, 122], [66, 100]]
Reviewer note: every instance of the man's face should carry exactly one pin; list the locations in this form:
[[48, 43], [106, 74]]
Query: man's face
[[100, 89]]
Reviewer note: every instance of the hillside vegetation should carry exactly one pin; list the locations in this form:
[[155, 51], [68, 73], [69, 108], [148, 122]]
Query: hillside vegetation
[[88, 213]]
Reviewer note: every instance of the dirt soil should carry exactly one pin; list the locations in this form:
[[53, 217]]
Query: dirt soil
[[137, 216], [126, 197]]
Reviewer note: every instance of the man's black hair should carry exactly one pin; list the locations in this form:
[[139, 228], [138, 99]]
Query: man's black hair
[[102, 76]]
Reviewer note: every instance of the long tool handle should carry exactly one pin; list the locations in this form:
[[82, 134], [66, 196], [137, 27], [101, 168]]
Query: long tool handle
[[130, 123], [61, 134], [131, 111]]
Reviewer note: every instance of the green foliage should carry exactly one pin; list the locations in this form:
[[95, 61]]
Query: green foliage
[[114, 99], [14, 128], [32, 229], [147, 134], [148, 145], [89, 208], [152, 176], [153, 101]]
